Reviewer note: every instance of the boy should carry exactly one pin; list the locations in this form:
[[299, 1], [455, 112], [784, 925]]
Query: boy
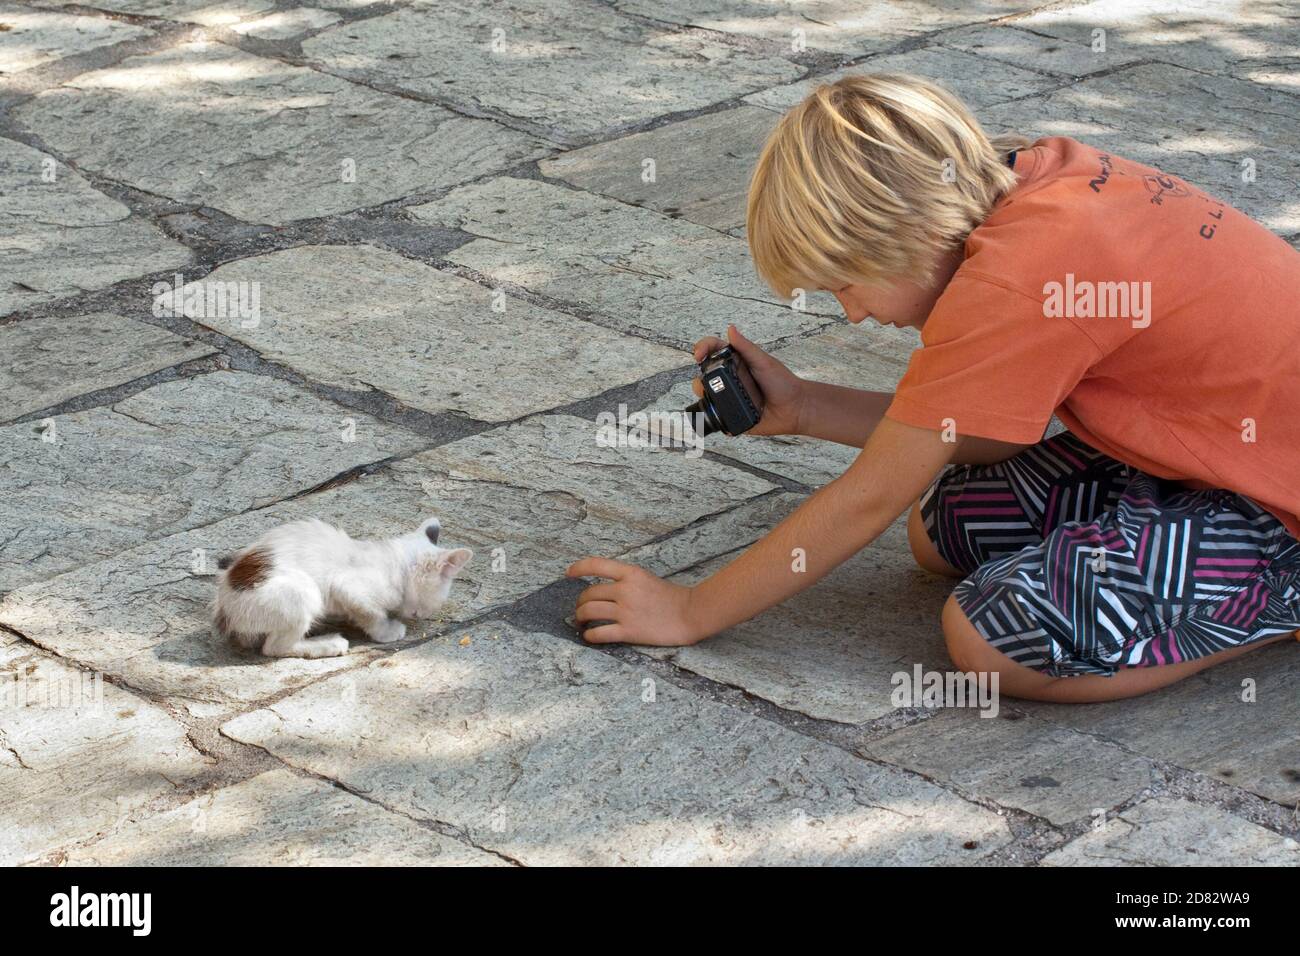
[[1158, 536]]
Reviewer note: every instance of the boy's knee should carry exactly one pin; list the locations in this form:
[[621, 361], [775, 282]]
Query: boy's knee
[[970, 651], [966, 646], [923, 549]]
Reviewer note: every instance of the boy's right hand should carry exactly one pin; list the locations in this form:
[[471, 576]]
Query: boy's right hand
[[783, 391]]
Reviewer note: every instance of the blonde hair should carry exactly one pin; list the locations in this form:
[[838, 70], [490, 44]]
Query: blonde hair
[[868, 179]]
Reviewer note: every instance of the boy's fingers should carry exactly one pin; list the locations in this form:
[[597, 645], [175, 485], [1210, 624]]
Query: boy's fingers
[[597, 592], [599, 568], [707, 345], [697, 387], [597, 611], [605, 634], [750, 352]]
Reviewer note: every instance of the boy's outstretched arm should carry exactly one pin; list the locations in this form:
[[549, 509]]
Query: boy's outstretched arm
[[896, 466]]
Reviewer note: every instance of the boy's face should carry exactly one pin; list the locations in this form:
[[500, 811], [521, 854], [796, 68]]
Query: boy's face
[[901, 302]]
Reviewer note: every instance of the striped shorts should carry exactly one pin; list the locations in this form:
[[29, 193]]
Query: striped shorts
[[1080, 564]]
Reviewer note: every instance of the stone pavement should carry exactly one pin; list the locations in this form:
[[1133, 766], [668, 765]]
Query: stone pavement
[[473, 226]]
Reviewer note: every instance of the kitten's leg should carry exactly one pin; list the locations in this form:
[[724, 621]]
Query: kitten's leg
[[383, 629], [376, 623], [295, 644]]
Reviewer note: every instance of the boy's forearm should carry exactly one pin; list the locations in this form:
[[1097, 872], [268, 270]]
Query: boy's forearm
[[836, 522], [841, 414], [826, 530], [848, 416]]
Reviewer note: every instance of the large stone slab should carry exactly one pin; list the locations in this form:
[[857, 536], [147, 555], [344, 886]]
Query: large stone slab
[[49, 360], [866, 356], [701, 166], [722, 534], [842, 26], [579, 70], [1042, 769], [633, 268], [286, 24], [1208, 723], [832, 651], [529, 499], [360, 317], [1255, 40], [1171, 832], [263, 141], [805, 460], [33, 38], [978, 81], [554, 753], [278, 819], [1202, 130], [202, 12], [63, 237], [77, 754], [89, 484]]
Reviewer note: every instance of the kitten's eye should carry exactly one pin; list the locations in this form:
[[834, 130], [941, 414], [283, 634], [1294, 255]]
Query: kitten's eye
[[432, 532]]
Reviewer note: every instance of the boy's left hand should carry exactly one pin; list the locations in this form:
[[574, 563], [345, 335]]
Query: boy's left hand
[[641, 608]]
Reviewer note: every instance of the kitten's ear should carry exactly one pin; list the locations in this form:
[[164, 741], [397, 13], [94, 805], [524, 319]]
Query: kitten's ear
[[431, 528], [450, 562]]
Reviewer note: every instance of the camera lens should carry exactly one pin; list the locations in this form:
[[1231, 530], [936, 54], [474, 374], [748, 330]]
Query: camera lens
[[703, 418]]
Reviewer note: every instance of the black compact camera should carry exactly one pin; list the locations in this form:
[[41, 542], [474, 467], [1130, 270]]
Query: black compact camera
[[732, 402]]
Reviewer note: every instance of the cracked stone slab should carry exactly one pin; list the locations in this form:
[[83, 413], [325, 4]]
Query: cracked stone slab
[[62, 236], [1020, 762], [580, 70], [832, 651], [701, 166], [33, 38], [263, 141], [1169, 832], [553, 753], [978, 81], [49, 360], [629, 268], [1195, 126], [713, 536], [532, 498], [360, 317], [529, 499], [286, 24], [77, 754], [201, 12], [1206, 723], [1255, 41], [86, 485], [841, 26], [865, 356], [806, 460], [278, 819]]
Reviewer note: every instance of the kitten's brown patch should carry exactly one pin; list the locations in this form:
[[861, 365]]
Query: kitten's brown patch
[[249, 571]]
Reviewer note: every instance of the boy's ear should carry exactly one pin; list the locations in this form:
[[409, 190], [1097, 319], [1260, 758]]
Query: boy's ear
[[450, 562]]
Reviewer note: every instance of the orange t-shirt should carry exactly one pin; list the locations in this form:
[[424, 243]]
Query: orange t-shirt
[[1159, 324]]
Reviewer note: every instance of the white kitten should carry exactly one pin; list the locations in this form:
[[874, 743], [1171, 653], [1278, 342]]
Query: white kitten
[[271, 593]]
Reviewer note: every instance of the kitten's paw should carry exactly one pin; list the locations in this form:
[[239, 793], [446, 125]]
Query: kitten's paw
[[388, 632], [335, 645]]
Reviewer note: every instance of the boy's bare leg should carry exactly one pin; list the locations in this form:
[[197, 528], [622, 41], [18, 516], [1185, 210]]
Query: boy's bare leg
[[971, 652]]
